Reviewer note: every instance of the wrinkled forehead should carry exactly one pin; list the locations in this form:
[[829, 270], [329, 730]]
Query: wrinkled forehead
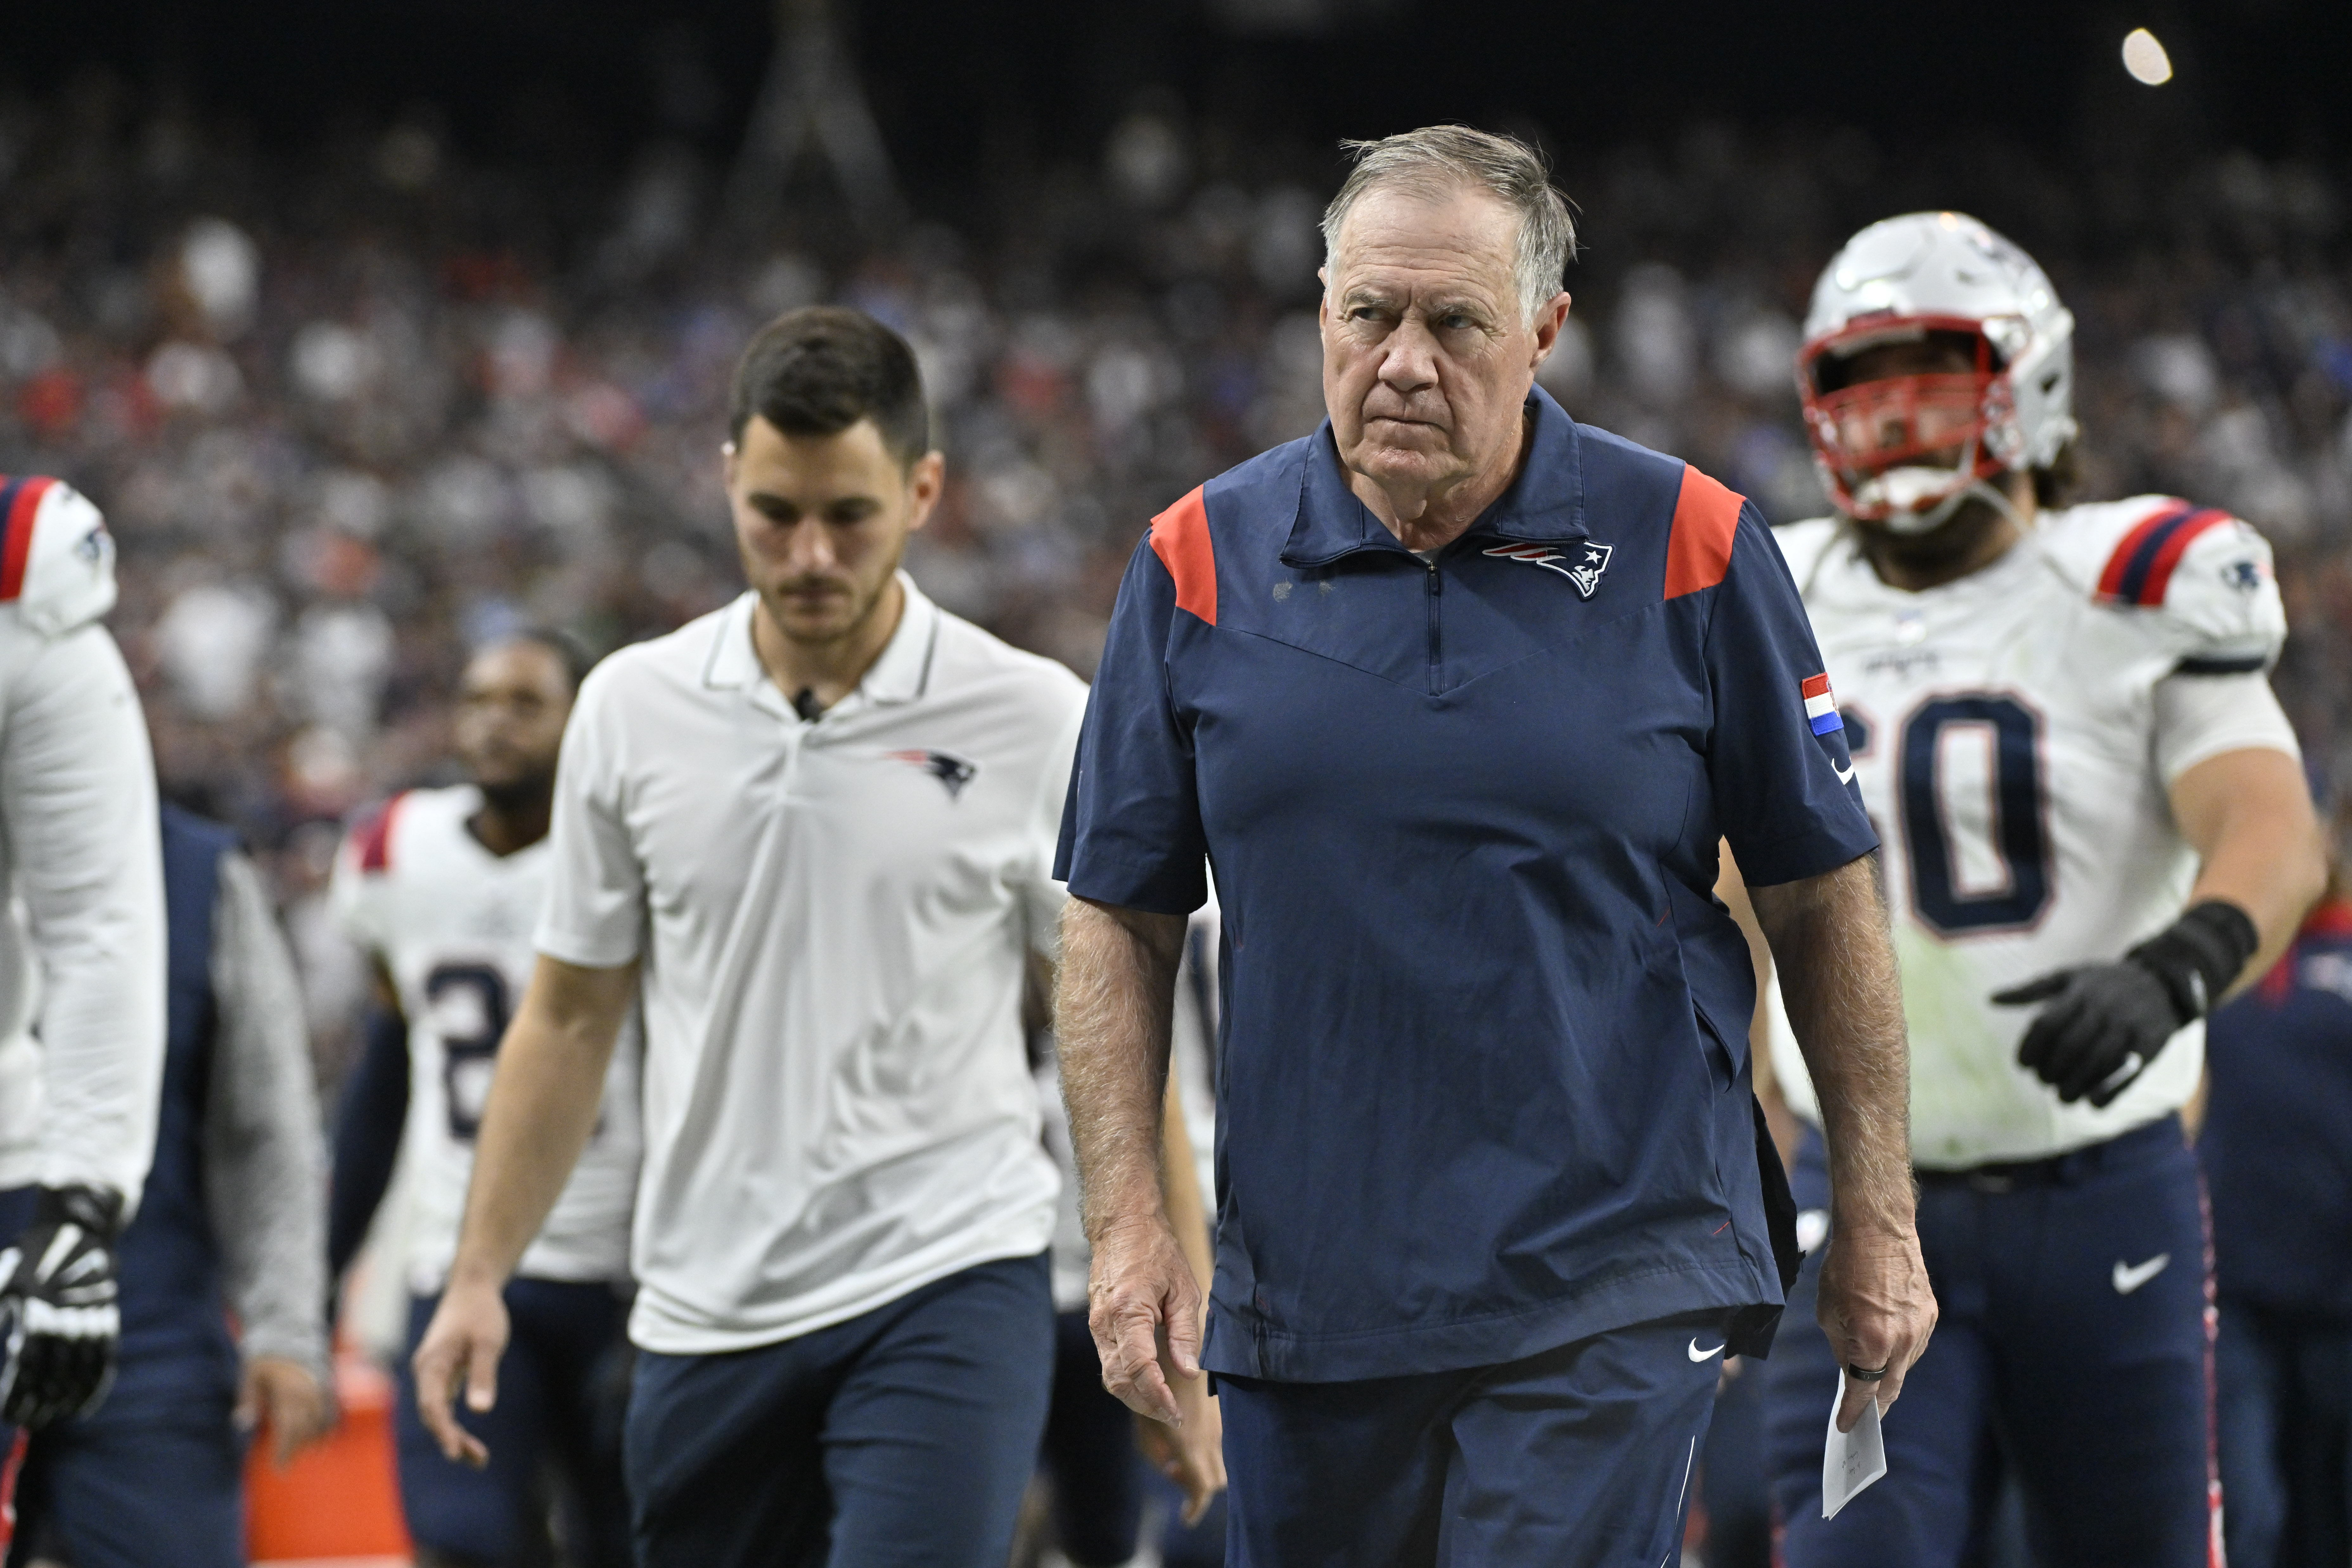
[[1427, 236]]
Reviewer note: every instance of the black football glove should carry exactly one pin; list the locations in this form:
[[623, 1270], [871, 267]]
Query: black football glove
[[57, 1309], [2106, 1022]]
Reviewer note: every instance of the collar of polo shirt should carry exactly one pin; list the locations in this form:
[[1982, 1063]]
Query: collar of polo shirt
[[898, 675], [1545, 504]]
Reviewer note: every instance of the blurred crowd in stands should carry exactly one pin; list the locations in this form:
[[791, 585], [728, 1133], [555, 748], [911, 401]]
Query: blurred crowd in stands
[[353, 410]]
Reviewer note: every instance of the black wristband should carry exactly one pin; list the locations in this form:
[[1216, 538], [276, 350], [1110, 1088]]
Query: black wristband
[[98, 1211], [2199, 956]]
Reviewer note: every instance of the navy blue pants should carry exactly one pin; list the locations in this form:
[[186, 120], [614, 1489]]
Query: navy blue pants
[[1733, 1481], [2284, 1383], [903, 1437], [1582, 1455], [157, 1475], [2065, 1349], [562, 1384], [134, 1493], [1089, 1449], [1101, 1480]]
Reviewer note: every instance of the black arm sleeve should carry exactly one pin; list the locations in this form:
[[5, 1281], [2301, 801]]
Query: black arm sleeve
[[367, 1136]]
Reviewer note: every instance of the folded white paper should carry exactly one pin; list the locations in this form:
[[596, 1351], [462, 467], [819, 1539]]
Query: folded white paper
[[1850, 1461]]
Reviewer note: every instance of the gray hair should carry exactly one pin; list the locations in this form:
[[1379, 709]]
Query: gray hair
[[1439, 161]]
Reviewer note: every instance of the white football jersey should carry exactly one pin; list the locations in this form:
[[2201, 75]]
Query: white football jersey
[[81, 873], [452, 923], [2015, 734]]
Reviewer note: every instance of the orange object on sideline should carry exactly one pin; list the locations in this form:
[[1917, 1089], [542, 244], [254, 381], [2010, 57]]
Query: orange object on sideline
[[340, 1499]]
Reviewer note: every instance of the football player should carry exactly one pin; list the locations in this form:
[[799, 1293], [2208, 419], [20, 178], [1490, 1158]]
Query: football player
[[81, 954], [441, 886], [2095, 825]]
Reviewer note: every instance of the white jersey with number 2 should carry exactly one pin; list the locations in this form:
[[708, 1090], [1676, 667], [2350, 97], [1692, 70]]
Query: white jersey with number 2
[[452, 923], [2015, 734]]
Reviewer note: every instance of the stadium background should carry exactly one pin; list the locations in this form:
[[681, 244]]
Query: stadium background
[[377, 328]]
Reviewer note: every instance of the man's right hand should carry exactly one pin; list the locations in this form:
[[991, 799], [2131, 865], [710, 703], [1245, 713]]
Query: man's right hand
[[461, 1346], [1141, 1294], [1878, 1310]]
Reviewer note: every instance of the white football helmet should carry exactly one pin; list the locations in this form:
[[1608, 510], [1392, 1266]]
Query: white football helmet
[[1880, 444]]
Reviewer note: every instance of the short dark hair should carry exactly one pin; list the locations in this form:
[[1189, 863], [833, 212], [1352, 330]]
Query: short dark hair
[[819, 370], [569, 651]]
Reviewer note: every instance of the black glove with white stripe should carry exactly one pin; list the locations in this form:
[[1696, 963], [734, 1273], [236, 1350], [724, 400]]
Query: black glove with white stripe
[[58, 1308], [2106, 1022]]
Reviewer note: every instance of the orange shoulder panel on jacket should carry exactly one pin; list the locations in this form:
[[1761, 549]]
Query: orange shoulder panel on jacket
[[1179, 537], [1698, 546]]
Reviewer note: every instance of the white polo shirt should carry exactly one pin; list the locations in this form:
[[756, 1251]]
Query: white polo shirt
[[834, 919]]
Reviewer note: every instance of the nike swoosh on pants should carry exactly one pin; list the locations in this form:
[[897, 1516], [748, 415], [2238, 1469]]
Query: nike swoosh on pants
[[2130, 1276]]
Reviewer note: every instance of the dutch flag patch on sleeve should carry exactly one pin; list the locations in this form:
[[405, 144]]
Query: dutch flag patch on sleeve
[[1821, 714]]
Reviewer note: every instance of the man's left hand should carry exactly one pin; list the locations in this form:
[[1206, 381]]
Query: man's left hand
[[283, 1397], [1876, 1307], [2104, 1024], [1142, 1298]]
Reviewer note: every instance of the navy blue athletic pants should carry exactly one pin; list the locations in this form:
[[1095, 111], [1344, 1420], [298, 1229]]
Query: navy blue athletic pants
[[1089, 1449], [904, 1436], [134, 1493], [562, 1384], [2073, 1346], [2285, 1419], [1101, 1480], [155, 1476], [1579, 1456]]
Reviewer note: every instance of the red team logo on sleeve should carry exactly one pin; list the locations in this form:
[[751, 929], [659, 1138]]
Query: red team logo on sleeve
[[1822, 715]]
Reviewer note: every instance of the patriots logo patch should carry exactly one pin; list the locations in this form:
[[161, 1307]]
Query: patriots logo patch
[[952, 772], [1579, 563]]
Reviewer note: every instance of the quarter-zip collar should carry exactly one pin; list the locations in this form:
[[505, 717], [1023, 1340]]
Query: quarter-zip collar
[[1544, 505]]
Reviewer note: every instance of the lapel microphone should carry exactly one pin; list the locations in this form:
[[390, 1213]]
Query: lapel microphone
[[806, 705]]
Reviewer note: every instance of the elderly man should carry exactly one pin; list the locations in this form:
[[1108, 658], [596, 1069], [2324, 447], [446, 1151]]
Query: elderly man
[[1459, 698]]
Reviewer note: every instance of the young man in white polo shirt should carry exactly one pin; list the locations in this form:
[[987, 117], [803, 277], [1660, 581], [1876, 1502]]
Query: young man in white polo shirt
[[814, 832]]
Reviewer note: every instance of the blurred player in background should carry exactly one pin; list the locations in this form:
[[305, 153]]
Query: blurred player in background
[[1100, 1480], [443, 887], [2277, 1151], [81, 954], [2095, 824], [814, 830], [230, 1222]]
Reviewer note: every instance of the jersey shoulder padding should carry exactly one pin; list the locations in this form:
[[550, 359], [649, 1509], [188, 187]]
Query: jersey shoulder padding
[[370, 838], [2199, 577], [56, 560], [1803, 545]]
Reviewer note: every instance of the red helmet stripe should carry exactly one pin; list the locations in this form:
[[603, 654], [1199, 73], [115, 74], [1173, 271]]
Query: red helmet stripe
[[21, 501]]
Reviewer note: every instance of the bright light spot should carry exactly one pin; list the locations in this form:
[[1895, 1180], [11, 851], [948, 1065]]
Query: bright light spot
[[2146, 58]]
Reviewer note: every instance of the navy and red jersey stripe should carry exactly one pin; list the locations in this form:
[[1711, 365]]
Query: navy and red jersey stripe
[[20, 502], [373, 837], [2140, 570]]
